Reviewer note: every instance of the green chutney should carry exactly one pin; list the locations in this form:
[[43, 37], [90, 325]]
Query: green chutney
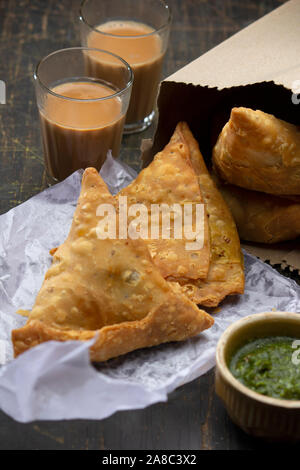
[[269, 366]]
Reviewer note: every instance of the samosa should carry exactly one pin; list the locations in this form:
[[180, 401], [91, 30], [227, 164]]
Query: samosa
[[257, 151], [108, 289], [170, 180], [261, 217], [226, 271]]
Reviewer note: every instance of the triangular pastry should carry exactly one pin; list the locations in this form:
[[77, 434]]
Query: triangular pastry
[[170, 179], [106, 288], [226, 272], [261, 217], [257, 151]]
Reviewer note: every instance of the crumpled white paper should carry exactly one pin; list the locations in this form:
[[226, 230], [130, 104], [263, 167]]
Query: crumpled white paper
[[56, 380]]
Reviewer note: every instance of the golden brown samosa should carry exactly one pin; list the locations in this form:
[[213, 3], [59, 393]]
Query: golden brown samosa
[[257, 151], [226, 271], [109, 289], [261, 217], [170, 179]]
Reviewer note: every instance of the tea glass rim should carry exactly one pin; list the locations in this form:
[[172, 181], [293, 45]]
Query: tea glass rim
[[165, 25], [88, 100]]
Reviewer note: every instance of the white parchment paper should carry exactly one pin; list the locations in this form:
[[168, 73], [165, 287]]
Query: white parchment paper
[[56, 380]]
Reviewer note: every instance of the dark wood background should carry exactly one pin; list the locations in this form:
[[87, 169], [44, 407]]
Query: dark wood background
[[193, 417]]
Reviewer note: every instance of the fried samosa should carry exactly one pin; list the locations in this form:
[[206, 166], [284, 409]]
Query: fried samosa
[[170, 179], [261, 217], [257, 151], [226, 271], [107, 289]]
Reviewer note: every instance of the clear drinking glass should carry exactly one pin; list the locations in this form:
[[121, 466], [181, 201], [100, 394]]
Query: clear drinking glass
[[82, 114], [138, 31]]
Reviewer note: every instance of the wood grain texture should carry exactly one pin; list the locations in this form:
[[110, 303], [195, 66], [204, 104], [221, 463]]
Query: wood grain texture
[[193, 417]]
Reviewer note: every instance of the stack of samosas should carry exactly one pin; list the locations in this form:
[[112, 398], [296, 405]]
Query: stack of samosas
[[134, 293], [257, 165]]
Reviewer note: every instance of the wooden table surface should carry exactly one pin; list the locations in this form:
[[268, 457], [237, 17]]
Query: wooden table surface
[[193, 417]]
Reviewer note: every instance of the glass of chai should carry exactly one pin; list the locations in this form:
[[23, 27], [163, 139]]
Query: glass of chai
[[137, 31], [82, 114]]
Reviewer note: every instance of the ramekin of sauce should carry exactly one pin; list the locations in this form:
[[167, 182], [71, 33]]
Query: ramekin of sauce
[[258, 374]]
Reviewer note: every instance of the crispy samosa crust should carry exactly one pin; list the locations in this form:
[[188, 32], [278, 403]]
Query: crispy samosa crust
[[257, 151], [171, 179], [261, 217], [108, 288], [226, 271]]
